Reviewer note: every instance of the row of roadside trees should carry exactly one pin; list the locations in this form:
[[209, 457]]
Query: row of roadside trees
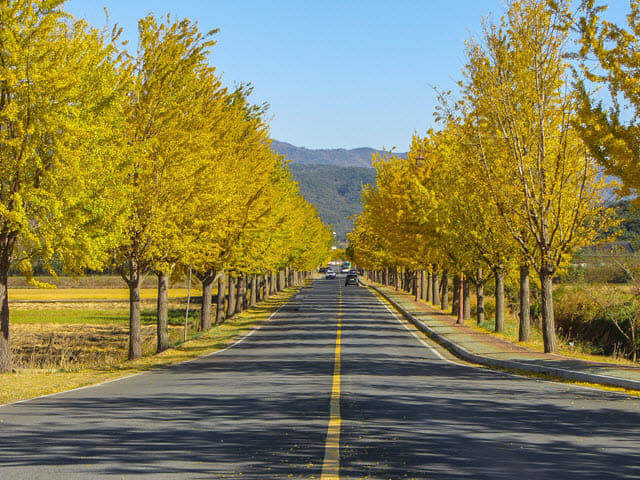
[[141, 162], [512, 180]]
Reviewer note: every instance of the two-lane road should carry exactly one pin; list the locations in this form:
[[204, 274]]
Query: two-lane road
[[261, 410]]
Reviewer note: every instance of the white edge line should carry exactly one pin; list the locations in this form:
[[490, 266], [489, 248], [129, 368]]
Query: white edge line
[[421, 340], [403, 322], [242, 338]]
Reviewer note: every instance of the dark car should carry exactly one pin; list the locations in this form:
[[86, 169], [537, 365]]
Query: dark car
[[352, 279]]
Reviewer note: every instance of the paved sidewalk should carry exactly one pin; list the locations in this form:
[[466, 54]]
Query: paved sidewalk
[[485, 349]]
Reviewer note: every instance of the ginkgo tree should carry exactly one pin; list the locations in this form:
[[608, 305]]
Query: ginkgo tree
[[165, 126], [60, 116], [612, 132], [540, 175], [509, 178]]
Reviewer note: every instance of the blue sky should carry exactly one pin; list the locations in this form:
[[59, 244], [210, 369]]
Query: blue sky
[[337, 74]]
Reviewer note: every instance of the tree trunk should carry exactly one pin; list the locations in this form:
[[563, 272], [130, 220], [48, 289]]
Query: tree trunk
[[135, 339], [416, 285], [386, 276], [163, 311], [262, 287], [423, 285], [5, 344], [231, 300], [444, 302], [435, 289], [242, 293], [499, 295], [466, 299], [396, 278], [220, 312], [480, 297], [524, 334], [254, 290], [460, 320], [455, 303], [429, 287], [206, 307], [548, 320]]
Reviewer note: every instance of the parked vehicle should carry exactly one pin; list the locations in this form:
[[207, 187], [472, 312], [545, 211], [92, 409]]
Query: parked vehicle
[[329, 274]]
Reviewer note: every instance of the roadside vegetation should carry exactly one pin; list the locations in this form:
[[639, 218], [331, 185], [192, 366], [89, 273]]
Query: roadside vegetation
[[509, 196]]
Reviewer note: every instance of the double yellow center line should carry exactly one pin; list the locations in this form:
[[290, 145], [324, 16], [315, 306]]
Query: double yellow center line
[[331, 464]]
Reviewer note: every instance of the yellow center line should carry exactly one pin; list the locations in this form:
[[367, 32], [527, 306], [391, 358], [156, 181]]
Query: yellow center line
[[331, 464]]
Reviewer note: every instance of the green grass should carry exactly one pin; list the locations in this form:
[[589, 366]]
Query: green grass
[[69, 316], [91, 316], [62, 294]]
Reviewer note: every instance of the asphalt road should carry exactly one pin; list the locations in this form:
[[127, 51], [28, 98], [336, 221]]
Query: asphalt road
[[260, 410]]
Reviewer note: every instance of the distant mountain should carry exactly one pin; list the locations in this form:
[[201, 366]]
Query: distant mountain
[[335, 191], [357, 157], [332, 180]]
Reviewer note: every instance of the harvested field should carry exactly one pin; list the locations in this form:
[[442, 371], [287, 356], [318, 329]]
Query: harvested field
[[50, 345], [93, 281], [85, 334]]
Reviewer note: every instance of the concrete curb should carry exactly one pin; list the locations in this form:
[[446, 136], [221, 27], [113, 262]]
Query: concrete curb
[[465, 354]]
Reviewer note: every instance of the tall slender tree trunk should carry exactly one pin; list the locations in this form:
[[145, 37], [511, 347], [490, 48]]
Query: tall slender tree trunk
[[408, 280], [135, 338], [163, 311], [436, 289], [242, 293], [480, 297], [429, 287], [461, 300], [548, 320], [455, 301], [499, 295], [262, 290], [254, 290], [416, 285], [524, 334], [386, 276], [423, 285], [206, 307], [466, 299], [444, 302], [231, 298], [220, 311], [5, 343]]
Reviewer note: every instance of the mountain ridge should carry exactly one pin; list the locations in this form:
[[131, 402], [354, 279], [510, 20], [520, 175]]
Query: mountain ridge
[[341, 157], [332, 179]]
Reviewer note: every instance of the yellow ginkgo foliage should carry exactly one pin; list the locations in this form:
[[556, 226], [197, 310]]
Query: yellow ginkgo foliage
[[60, 84]]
